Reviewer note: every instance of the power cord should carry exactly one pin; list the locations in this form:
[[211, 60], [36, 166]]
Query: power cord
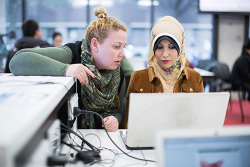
[[77, 111], [88, 156], [58, 160]]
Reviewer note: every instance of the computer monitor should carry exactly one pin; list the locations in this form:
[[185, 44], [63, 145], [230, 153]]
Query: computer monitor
[[225, 147]]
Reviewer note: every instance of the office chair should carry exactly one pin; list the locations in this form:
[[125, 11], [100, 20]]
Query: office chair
[[222, 74], [223, 83], [239, 89], [203, 64]]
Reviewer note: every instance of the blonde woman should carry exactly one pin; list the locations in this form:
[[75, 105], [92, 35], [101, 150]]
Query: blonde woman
[[94, 61], [166, 72]]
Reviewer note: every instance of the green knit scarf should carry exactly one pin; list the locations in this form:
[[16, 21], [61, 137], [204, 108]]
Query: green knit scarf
[[101, 95]]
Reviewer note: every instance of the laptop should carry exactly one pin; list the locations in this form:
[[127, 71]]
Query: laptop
[[149, 111], [222, 147]]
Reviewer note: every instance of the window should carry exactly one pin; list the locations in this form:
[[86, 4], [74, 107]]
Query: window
[[71, 17], [198, 27]]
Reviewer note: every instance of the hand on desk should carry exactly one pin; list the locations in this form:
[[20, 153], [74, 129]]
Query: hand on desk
[[111, 123], [80, 72]]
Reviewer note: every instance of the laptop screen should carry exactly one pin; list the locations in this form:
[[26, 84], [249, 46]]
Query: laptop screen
[[150, 111], [217, 151]]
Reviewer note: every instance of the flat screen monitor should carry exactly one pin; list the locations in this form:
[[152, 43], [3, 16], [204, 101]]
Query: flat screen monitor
[[200, 147], [224, 6]]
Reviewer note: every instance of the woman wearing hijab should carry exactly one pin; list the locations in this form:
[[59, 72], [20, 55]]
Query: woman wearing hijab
[[166, 72], [94, 61]]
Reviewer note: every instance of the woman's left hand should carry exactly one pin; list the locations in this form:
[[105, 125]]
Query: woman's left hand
[[111, 123]]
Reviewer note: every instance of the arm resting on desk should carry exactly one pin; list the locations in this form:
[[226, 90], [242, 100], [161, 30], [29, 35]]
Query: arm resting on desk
[[52, 61]]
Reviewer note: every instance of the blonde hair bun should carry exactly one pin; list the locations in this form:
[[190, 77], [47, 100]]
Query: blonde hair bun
[[100, 12]]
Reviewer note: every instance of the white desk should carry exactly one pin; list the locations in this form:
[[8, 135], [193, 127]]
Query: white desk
[[26, 110], [207, 76], [119, 160], [204, 73]]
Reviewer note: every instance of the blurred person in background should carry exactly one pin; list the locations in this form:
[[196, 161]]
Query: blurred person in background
[[57, 39], [31, 39], [127, 67], [240, 76], [128, 71]]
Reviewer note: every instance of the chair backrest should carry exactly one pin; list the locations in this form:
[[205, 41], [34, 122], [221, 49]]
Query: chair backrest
[[221, 71], [203, 64]]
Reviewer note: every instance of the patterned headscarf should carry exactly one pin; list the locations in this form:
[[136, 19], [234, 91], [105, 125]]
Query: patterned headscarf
[[168, 77], [101, 95]]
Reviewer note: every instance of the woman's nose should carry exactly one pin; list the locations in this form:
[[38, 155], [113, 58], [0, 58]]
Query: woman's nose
[[165, 53], [122, 54]]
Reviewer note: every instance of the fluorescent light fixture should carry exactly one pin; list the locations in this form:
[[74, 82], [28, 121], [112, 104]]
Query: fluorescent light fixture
[[81, 3], [107, 3], [147, 2]]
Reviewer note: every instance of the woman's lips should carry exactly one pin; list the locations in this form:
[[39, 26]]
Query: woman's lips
[[117, 62], [165, 61]]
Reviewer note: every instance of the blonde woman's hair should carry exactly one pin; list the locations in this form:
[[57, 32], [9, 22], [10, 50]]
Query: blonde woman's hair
[[101, 27]]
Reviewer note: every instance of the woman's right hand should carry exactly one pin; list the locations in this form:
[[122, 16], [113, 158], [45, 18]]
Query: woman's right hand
[[80, 72]]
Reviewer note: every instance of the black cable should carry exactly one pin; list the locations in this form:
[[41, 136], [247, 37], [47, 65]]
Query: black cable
[[86, 158], [78, 111], [104, 148], [72, 140], [112, 160], [62, 160], [71, 146], [58, 160], [72, 121], [85, 141], [106, 161], [89, 156]]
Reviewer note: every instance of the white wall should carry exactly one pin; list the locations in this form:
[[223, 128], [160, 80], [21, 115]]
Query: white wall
[[2, 17], [231, 38]]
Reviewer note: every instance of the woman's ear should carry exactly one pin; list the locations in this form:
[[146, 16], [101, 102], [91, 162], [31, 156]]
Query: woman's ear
[[94, 44], [38, 34], [248, 51]]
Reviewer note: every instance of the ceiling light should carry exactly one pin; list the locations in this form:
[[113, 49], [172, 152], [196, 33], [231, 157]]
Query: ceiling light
[[147, 3], [81, 3]]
